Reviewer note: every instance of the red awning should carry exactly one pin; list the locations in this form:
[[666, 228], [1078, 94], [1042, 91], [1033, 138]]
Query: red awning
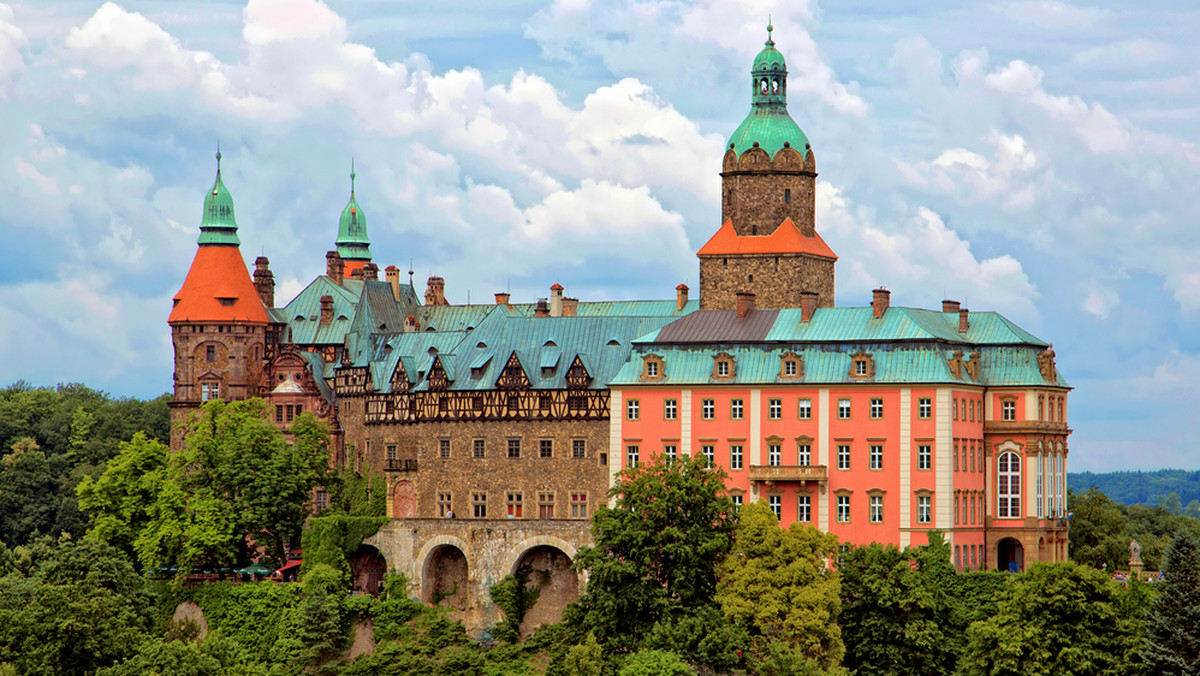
[[289, 565]]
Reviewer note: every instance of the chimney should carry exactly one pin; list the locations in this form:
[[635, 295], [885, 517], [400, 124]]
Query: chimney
[[745, 303], [502, 298], [326, 309], [949, 306], [371, 272], [808, 305], [410, 324], [435, 291], [681, 293], [264, 281], [556, 296], [334, 267], [542, 309], [964, 321], [570, 307], [357, 273], [392, 274], [880, 300]]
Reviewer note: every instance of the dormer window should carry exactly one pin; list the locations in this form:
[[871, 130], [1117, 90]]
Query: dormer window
[[653, 367], [724, 366], [791, 365], [226, 302], [862, 366]]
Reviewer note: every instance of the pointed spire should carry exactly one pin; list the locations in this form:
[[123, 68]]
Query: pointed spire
[[352, 175], [217, 225], [352, 242], [770, 28]]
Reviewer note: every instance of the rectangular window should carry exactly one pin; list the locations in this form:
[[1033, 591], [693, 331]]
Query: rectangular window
[[210, 353], [515, 506], [843, 509], [210, 391], [545, 505], [652, 369], [956, 512], [578, 448], [803, 455], [735, 457], [924, 509], [876, 456], [670, 407], [860, 367], [579, 506], [924, 456], [789, 367], [631, 409], [479, 505], [514, 448], [844, 409], [545, 448], [722, 368], [774, 455], [876, 509], [669, 450], [843, 456], [1008, 410], [735, 409], [390, 452], [956, 457], [631, 456], [443, 502], [954, 409], [805, 409], [477, 448], [804, 509], [321, 500], [776, 504], [972, 510], [974, 557], [737, 502], [709, 455], [707, 409], [876, 409], [925, 408], [278, 413], [775, 409], [444, 448], [971, 449], [971, 410]]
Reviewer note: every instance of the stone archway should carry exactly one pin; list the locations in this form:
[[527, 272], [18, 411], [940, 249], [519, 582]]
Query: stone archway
[[404, 500], [444, 578], [547, 568], [367, 569], [1010, 555]]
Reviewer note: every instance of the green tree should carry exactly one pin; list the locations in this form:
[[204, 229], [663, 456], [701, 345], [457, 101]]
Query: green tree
[[776, 583], [1059, 618], [27, 493], [652, 572], [1099, 531], [655, 663], [1173, 624], [897, 612], [121, 501]]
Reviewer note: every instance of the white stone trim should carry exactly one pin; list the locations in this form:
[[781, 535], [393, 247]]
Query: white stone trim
[[685, 422], [906, 462]]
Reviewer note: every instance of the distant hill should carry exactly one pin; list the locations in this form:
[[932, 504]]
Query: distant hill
[[1142, 488]]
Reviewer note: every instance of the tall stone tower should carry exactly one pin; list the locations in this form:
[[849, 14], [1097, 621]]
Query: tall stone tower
[[218, 321], [353, 245], [768, 243]]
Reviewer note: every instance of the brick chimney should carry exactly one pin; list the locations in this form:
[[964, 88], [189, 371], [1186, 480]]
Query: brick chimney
[[681, 294], [357, 273], [880, 300], [334, 267], [745, 303], [264, 281], [570, 307], [808, 305], [326, 309], [371, 272], [964, 320], [542, 309], [502, 298], [950, 306], [392, 274], [556, 300], [435, 291]]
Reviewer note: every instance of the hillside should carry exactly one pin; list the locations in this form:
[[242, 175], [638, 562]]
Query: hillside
[[1143, 488]]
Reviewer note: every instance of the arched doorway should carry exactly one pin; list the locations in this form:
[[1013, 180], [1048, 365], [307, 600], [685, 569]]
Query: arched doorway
[[367, 569], [444, 578], [549, 570], [1010, 555], [404, 500]]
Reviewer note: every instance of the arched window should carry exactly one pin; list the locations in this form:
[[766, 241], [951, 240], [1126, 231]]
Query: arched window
[[1009, 491]]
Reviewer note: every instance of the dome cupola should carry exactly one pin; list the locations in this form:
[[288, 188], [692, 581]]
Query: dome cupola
[[768, 126], [217, 226], [352, 242]]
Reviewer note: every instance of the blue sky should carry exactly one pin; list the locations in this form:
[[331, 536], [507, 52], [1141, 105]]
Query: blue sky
[[1033, 158]]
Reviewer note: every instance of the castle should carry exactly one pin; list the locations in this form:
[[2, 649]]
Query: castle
[[878, 423]]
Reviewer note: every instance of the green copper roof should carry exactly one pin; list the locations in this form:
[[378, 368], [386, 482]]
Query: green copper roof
[[218, 226], [768, 125], [352, 242]]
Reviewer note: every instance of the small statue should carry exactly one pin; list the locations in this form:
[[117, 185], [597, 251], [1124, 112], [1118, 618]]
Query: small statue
[[1135, 554]]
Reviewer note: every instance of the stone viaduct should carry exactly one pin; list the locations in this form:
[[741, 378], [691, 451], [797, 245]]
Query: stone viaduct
[[455, 562]]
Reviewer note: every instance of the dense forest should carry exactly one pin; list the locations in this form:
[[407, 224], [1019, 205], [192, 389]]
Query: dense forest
[[1176, 490], [679, 580]]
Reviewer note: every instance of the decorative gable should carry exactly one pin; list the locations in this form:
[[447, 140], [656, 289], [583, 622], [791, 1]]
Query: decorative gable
[[513, 376], [653, 367], [577, 376], [399, 378], [724, 366], [438, 380], [862, 366], [791, 366]]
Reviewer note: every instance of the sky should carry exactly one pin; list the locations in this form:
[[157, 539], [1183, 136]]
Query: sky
[[1037, 159]]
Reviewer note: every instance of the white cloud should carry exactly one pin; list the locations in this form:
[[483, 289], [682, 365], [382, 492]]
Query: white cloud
[[1050, 13], [12, 42], [279, 20], [47, 184], [1100, 301], [1007, 177]]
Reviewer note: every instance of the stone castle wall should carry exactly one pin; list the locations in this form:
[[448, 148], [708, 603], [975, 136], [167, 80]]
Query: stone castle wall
[[776, 280]]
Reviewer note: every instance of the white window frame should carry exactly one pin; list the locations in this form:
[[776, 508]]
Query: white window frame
[[804, 455], [708, 409], [924, 456], [924, 408], [774, 455], [876, 456], [875, 511], [804, 411], [709, 453], [775, 502], [670, 409], [804, 509], [924, 509], [844, 409], [737, 409], [1008, 488], [633, 409], [876, 408], [843, 456], [735, 456], [775, 409], [843, 509], [632, 451]]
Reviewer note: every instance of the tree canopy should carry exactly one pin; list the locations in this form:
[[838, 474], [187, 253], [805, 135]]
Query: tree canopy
[[1173, 624]]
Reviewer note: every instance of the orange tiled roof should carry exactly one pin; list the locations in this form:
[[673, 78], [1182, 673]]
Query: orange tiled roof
[[218, 272], [787, 238]]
